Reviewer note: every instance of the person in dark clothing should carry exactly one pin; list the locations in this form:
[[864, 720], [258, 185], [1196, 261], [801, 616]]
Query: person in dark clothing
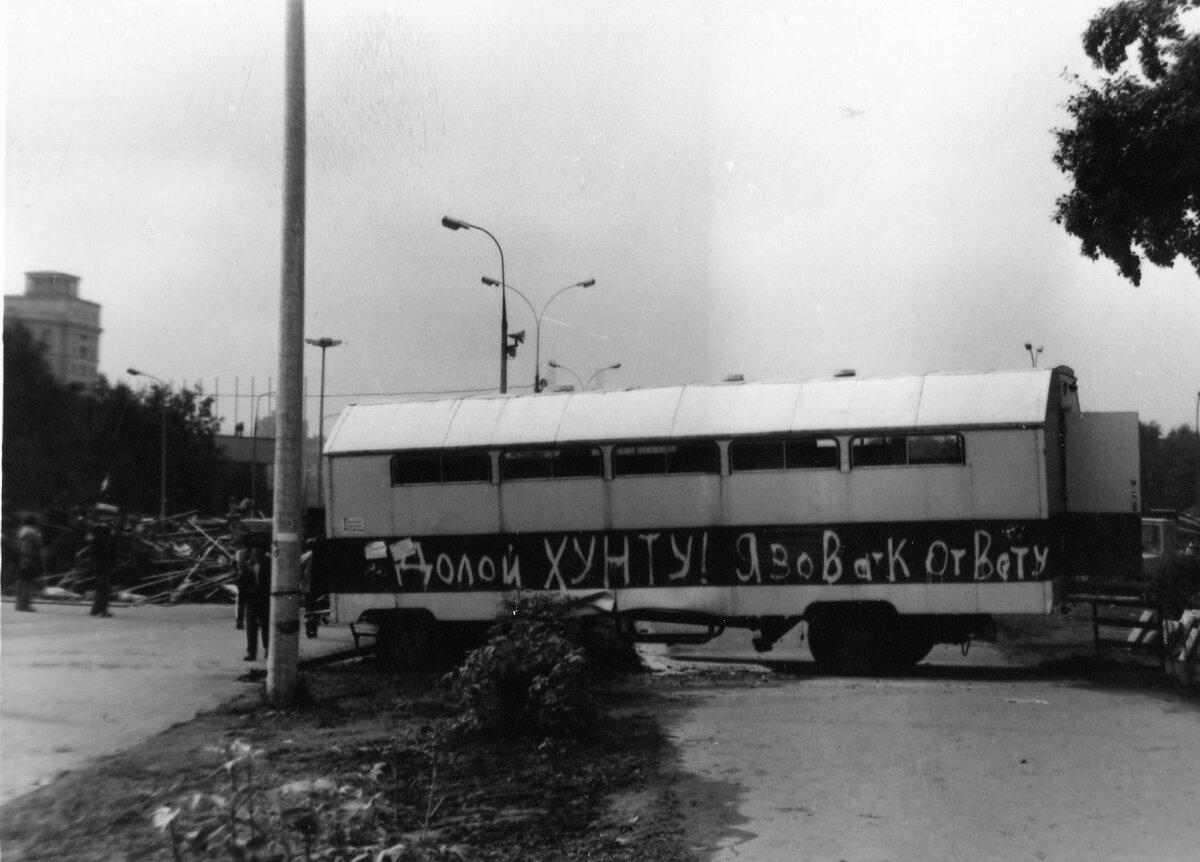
[[29, 544], [254, 579], [103, 554], [245, 581]]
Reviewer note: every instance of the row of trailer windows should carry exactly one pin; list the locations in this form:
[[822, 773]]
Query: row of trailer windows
[[676, 458]]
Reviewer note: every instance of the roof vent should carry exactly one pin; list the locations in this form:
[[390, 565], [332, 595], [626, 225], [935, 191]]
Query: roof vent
[[735, 378], [845, 372]]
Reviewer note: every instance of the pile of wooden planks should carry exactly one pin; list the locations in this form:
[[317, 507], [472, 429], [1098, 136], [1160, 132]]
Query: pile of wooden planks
[[183, 559]]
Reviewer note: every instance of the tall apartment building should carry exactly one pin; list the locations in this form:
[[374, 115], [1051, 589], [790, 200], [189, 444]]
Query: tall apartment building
[[68, 326]]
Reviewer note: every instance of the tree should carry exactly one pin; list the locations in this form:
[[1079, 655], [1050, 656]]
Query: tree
[[1168, 467], [1134, 152], [39, 423], [63, 444], [123, 429]]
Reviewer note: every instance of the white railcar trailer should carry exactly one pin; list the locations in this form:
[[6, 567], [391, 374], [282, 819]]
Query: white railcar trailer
[[889, 514]]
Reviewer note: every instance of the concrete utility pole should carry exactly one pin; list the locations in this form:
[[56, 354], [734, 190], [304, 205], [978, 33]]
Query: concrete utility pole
[[283, 668]]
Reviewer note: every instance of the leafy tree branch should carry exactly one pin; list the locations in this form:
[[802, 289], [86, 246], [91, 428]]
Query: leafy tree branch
[[1134, 151]]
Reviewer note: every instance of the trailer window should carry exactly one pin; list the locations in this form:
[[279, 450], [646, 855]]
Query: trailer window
[[783, 454], [666, 458], [906, 450], [565, 463], [440, 468], [747, 455], [935, 449], [806, 454], [877, 451], [472, 467]]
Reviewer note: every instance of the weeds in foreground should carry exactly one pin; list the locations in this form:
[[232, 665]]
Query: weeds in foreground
[[311, 819], [534, 678]]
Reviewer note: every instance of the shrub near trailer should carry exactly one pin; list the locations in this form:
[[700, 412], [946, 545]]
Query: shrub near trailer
[[889, 514], [532, 676]]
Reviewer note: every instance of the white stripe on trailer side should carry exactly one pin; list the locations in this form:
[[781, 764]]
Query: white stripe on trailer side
[[721, 602]]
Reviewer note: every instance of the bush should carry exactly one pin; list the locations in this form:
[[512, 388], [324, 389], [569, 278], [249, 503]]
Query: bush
[[603, 647], [534, 675]]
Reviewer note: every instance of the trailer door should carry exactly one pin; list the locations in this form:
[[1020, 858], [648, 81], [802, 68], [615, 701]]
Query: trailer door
[[1103, 473], [1102, 527]]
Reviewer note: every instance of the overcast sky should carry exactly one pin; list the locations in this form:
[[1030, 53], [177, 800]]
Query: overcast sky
[[775, 188]]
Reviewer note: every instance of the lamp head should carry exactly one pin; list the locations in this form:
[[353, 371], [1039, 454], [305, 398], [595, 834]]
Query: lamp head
[[587, 283], [553, 364], [133, 371], [454, 223], [490, 282]]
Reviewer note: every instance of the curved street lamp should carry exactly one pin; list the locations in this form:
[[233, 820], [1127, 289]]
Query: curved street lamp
[[162, 472], [582, 385], [459, 224], [538, 383]]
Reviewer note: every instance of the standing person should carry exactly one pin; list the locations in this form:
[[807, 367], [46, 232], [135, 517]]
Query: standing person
[[29, 544], [245, 579], [103, 555], [257, 607]]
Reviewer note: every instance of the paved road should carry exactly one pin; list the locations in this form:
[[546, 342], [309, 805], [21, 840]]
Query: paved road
[[974, 757], [74, 687], [980, 758]]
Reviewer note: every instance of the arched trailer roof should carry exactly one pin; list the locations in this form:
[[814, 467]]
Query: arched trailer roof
[[1018, 398]]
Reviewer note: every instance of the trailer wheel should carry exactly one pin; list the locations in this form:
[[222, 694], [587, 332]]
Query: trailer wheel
[[912, 645], [823, 642], [408, 641], [854, 640], [456, 640]]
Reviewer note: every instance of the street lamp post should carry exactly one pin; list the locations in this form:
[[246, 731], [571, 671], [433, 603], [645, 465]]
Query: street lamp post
[[459, 224], [538, 383], [582, 385], [324, 344], [254, 451], [162, 472]]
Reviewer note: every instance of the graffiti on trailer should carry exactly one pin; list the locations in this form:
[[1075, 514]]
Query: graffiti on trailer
[[920, 552]]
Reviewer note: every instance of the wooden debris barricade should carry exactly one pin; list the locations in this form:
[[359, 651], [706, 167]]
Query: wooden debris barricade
[[183, 559]]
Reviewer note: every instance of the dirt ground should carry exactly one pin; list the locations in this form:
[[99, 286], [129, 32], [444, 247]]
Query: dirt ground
[[376, 738]]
